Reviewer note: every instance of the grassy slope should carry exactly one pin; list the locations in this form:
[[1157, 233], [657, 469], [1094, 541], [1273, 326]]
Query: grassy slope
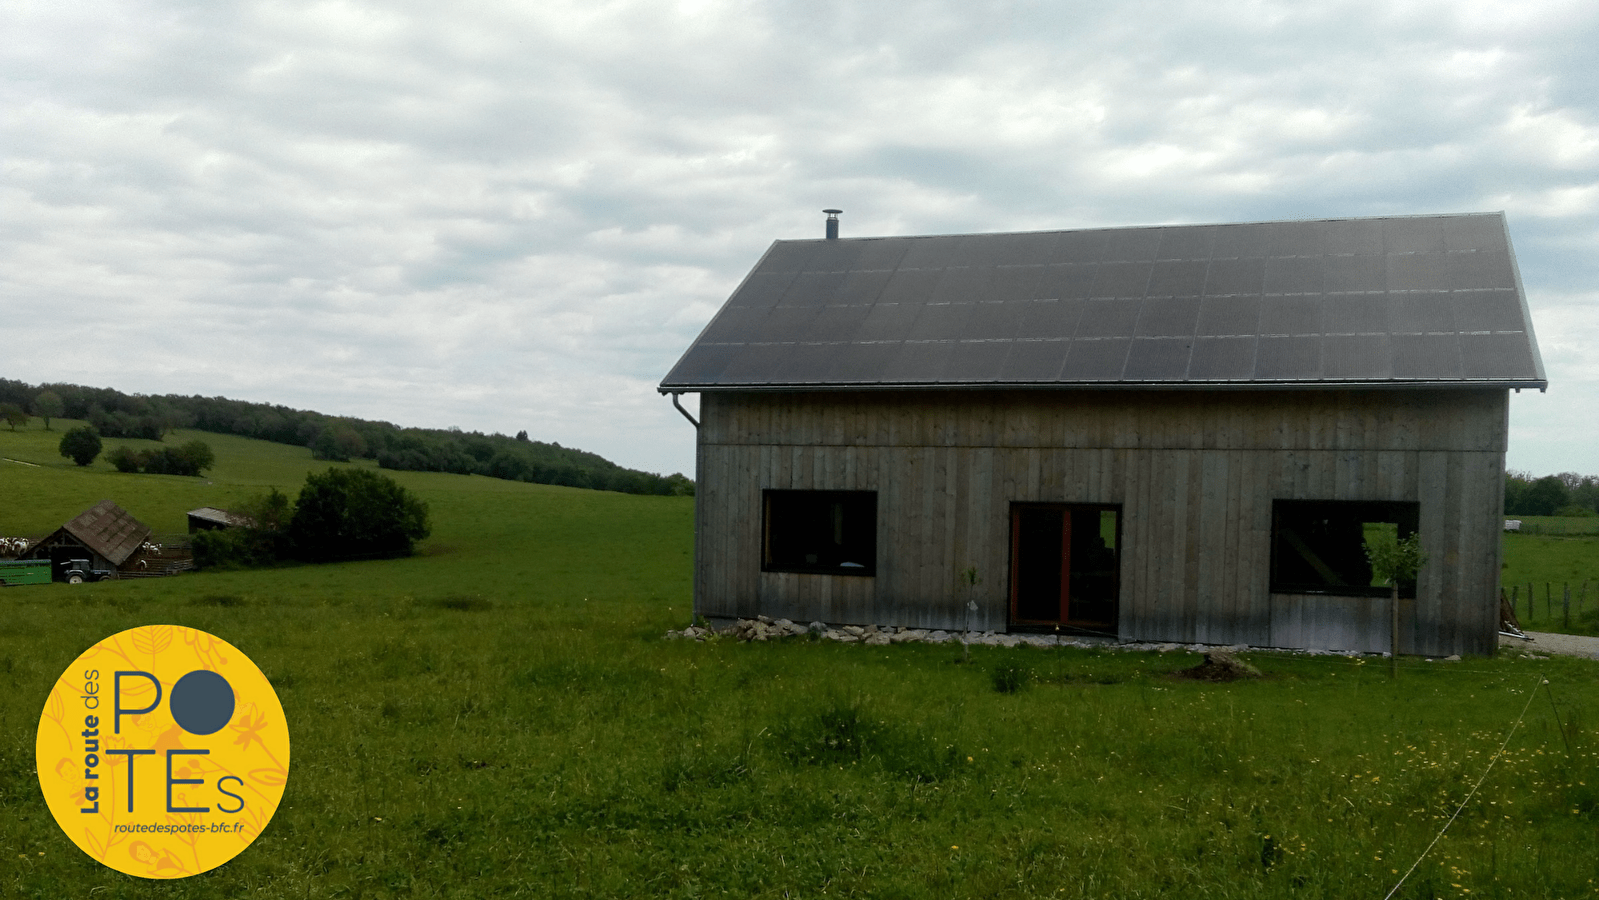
[[497, 716]]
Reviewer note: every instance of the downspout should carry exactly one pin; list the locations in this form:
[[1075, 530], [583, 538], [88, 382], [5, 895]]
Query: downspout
[[691, 419]]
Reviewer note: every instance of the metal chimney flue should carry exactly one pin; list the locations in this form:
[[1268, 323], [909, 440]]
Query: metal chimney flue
[[832, 223]]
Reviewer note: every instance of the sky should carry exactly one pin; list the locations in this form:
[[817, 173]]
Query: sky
[[517, 215]]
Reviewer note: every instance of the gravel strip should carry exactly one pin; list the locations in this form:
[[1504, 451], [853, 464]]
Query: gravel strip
[[1564, 644]]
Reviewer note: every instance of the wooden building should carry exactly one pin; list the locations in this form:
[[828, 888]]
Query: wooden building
[[106, 534], [1177, 433], [209, 518]]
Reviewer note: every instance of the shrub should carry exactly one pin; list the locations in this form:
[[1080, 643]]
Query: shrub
[[356, 513], [81, 445], [190, 459], [125, 459]]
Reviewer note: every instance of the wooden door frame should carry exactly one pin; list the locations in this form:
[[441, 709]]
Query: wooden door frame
[[1066, 509]]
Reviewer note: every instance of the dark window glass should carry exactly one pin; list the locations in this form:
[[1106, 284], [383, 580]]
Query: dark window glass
[[831, 532], [1319, 546]]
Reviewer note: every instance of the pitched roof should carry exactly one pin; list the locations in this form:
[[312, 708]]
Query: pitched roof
[[219, 516], [1402, 301], [109, 530]]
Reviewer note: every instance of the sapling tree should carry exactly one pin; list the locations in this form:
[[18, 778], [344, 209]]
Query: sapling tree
[[1395, 562]]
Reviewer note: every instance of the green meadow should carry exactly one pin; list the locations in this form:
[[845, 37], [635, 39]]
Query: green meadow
[[500, 716]]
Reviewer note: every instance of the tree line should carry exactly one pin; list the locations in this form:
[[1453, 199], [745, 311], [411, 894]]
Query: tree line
[[114, 414], [1565, 494]]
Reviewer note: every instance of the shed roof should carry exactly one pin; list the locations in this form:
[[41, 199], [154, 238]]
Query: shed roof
[[109, 530], [219, 516], [1389, 301]]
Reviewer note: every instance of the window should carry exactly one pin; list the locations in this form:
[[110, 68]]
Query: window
[[1319, 546], [831, 532]]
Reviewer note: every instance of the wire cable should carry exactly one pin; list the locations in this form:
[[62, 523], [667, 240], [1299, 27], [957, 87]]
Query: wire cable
[[1473, 792]]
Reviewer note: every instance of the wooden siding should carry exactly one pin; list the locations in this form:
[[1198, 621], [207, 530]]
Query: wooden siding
[[1195, 474]]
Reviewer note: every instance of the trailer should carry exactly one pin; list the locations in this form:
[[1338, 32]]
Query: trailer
[[15, 572]]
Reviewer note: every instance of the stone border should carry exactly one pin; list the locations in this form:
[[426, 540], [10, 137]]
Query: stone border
[[762, 628]]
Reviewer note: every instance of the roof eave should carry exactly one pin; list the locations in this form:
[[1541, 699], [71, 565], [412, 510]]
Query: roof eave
[[1251, 385]]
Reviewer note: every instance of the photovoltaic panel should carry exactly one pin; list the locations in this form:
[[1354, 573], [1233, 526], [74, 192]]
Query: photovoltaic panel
[[1428, 300], [812, 289], [1096, 360], [862, 363], [1242, 241], [1421, 312], [888, 322], [989, 321], [1081, 247], [1178, 278], [911, 286], [1355, 274], [1158, 359], [1131, 244], [863, 286], [1475, 233], [837, 323], [1357, 357], [1284, 358], [1296, 239], [1072, 281], [1487, 311], [1496, 355], [1121, 279], [735, 323], [1294, 314], [1229, 315], [940, 322], [1352, 237], [1427, 356], [919, 362], [1034, 361], [977, 361], [762, 289], [1235, 276], [1014, 283], [1417, 272], [1476, 270], [962, 285], [1222, 359], [1354, 313], [1168, 316], [1056, 319], [1189, 243], [1412, 234], [1109, 318], [809, 363], [1294, 275]]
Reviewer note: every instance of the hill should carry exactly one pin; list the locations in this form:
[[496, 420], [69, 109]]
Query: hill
[[115, 414]]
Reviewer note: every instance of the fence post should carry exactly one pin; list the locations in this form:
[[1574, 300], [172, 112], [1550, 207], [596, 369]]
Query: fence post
[[1565, 606], [1515, 594]]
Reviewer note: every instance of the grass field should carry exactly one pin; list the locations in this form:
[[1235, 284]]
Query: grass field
[[499, 716]]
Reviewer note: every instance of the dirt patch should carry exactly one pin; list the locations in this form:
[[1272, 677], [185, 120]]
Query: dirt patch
[[1219, 665]]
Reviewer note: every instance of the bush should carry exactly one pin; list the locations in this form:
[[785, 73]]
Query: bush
[[190, 459], [356, 513], [125, 459], [81, 445]]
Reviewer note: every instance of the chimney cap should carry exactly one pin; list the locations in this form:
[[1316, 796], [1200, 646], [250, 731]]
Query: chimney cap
[[832, 212]]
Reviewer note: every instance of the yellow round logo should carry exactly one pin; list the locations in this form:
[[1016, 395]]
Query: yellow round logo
[[163, 751]]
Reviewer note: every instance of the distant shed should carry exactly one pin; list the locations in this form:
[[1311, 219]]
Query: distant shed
[[209, 518], [106, 534], [1174, 433]]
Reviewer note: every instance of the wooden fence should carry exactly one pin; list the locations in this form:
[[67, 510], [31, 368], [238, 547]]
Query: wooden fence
[[1564, 604]]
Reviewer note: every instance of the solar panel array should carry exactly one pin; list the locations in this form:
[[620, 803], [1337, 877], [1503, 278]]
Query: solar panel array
[[1423, 299]]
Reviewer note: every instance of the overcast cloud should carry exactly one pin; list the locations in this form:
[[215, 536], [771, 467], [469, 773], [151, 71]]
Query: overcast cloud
[[508, 215]]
